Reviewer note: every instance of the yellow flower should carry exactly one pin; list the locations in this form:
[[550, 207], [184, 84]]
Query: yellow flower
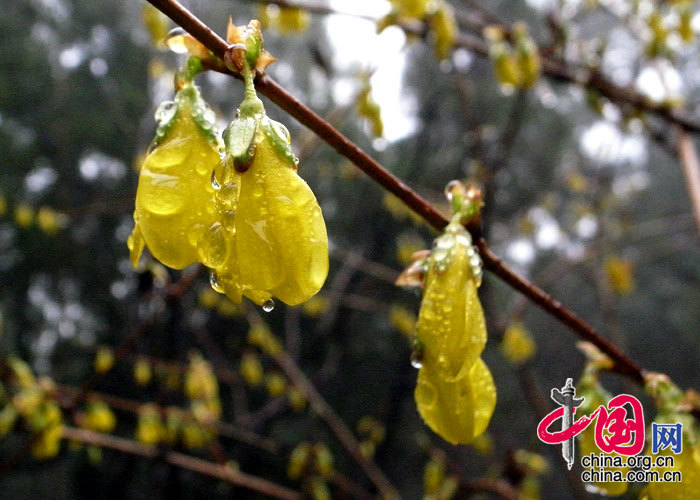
[[292, 20], [451, 326], [251, 369], [688, 464], [150, 429], [24, 215], [517, 345], [174, 197], [200, 381], [444, 26], [99, 417], [315, 306], [620, 274], [104, 360], [455, 393], [270, 238], [276, 384]]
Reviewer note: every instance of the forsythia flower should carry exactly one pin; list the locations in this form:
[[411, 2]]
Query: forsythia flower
[[99, 417], [270, 238], [619, 274], [444, 26], [249, 217], [174, 197], [455, 393], [368, 108], [517, 345]]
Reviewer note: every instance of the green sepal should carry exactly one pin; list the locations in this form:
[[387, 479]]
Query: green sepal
[[201, 113], [239, 139]]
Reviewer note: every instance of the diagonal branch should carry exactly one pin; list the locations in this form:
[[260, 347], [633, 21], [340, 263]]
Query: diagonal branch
[[222, 472], [268, 87]]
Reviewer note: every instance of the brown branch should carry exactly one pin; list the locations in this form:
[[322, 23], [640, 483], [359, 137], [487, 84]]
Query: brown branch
[[691, 171], [391, 183], [221, 472]]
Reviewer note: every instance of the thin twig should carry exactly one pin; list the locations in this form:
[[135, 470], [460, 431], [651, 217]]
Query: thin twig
[[222, 472], [321, 408]]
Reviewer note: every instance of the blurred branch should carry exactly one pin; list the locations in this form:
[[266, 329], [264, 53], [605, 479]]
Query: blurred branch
[[287, 102], [328, 415], [221, 472], [691, 170]]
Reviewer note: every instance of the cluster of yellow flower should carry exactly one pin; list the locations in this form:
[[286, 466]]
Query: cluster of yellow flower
[[30, 399], [372, 433], [516, 64], [314, 464], [48, 220], [248, 217], [439, 15], [437, 484], [254, 374], [194, 428], [455, 392]]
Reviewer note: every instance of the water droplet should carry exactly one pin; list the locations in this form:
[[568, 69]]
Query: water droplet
[[209, 116], [268, 306], [214, 282], [227, 195], [213, 246], [165, 112], [281, 132], [451, 188], [195, 232], [176, 41], [417, 354], [214, 182]]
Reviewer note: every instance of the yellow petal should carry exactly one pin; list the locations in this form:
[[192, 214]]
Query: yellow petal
[[281, 241], [457, 410], [451, 326], [174, 198]]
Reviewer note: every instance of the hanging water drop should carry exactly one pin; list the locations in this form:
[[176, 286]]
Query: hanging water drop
[[417, 355], [214, 182], [214, 282], [268, 306]]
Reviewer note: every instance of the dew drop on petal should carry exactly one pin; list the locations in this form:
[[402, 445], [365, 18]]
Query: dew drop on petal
[[268, 306], [165, 112], [417, 354], [214, 282], [214, 182]]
